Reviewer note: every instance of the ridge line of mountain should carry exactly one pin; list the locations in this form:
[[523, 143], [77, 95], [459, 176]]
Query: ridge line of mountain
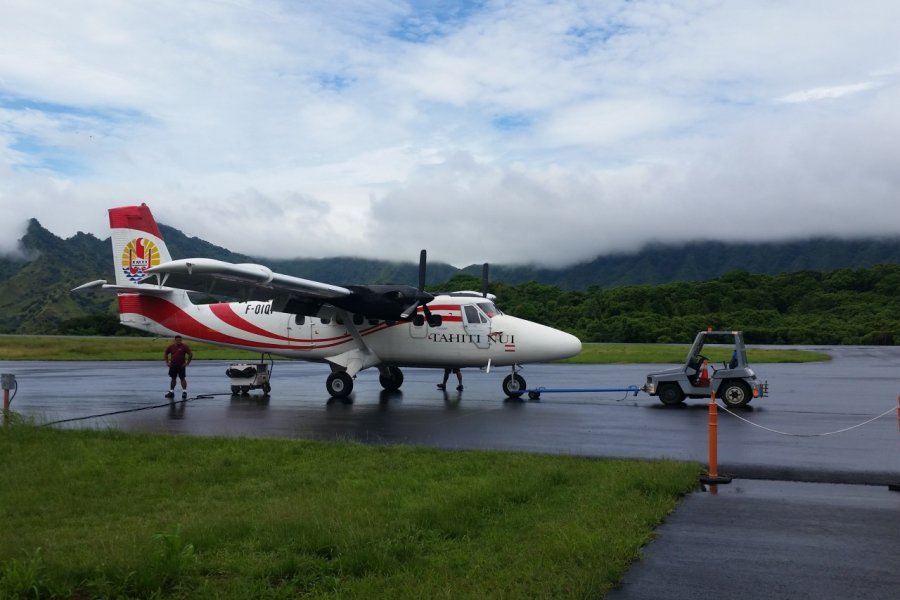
[[35, 282], [654, 264]]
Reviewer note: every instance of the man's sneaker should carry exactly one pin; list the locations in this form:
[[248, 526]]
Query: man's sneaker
[[441, 386], [170, 395], [184, 395], [459, 388]]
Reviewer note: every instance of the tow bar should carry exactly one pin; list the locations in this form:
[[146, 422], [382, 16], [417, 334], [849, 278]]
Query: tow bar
[[535, 393]]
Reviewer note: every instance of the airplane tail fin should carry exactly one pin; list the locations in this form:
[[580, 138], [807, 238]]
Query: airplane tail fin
[[137, 246], [137, 243]]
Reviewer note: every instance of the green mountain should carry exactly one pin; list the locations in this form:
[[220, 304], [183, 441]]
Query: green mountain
[[35, 282], [34, 286], [700, 261], [336, 270]]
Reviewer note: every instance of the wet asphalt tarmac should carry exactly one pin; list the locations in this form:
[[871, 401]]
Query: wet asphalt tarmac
[[805, 400], [751, 539], [774, 541]]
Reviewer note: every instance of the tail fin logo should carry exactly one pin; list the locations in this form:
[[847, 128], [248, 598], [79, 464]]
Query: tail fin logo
[[139, 255]]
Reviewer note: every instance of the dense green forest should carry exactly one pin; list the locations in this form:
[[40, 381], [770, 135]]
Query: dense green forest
[[699, 261], [849, 306]]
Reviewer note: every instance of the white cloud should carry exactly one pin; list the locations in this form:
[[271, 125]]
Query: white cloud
[[507, 132], [829, 93]]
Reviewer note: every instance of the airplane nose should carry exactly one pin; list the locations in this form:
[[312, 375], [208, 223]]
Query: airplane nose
[[534, 342], [566, 344], [557, 345]]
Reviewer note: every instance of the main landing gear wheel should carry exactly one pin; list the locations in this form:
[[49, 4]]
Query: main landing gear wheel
[[514, 386], [392, 379], [670, 394], [735, 394], [339, 384]]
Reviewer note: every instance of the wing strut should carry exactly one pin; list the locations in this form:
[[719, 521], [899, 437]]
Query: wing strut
[[353, 361]]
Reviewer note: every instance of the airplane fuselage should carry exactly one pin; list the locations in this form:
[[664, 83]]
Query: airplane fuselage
[[466, 336]]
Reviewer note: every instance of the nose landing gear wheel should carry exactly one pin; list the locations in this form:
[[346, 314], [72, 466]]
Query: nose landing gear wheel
[[339, 384], [514, 386]]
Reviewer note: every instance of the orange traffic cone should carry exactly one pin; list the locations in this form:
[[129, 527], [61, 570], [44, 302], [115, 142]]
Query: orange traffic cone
[[703, 379]]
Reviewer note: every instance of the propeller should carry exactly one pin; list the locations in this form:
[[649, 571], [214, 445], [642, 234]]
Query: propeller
[[484, 280], [422, 298]]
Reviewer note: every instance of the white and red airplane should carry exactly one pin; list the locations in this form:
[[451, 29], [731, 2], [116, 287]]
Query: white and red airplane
[[351, 328]]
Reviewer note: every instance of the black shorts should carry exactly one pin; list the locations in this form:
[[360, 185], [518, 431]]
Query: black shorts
[[177, 371]]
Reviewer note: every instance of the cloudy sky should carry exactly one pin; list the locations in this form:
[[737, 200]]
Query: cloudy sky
[[509, 131]]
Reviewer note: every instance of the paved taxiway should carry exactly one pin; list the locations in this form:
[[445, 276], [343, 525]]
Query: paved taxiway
[[805, 399], [753, 539], [773, 540]]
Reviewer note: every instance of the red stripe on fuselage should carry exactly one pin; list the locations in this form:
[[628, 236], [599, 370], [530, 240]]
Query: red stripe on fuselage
[[172, 317], [227, 315], [453, 317], [175, 318], [436, 307]]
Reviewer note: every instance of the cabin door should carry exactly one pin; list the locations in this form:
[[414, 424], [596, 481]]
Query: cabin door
[[477, 326]]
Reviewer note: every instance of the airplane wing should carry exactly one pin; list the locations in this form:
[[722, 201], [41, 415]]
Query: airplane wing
[[245, 281], [101, 284], [289, 294]]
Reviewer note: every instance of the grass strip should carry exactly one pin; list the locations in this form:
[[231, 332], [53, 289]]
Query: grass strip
[[59, 347], [677, 353], [37, 347], [109, 514]]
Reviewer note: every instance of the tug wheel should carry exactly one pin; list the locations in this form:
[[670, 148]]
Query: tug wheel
[[670, 394], [735, 394]]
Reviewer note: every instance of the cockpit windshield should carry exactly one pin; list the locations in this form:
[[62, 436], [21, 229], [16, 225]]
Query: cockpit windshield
[[489, 309]]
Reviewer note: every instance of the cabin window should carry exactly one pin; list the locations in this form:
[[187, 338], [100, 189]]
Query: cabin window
[[473, 315], [358, 319], [489, 309], [325, 320], [373, 321], [299, 319]]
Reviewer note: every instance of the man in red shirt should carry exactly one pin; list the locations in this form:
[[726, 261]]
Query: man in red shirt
[[178, 356]]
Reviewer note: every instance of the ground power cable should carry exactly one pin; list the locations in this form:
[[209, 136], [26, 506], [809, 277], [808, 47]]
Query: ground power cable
[[131, 410], [15, 391], [787, 433]]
